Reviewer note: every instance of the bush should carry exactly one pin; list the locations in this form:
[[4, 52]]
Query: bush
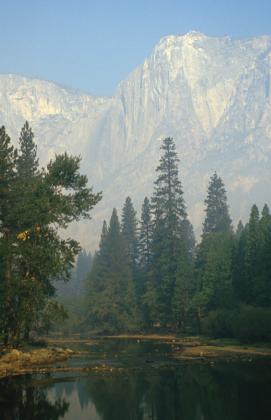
[[219, 323], [253, 324], [248, 324]]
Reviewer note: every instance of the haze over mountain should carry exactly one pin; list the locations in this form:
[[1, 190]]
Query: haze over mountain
[[213, 95]]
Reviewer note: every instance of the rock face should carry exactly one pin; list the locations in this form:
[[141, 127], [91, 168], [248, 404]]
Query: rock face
[[213, 95]]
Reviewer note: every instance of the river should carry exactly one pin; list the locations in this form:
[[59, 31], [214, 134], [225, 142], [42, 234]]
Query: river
[[146, 382]]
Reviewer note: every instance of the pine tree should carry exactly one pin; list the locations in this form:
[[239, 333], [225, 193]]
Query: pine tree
[[263, 284], [144, 272], [27, 162], [214, 280], [185, 281], [129, 231], [168, 213], [145, 235], [83, 267], [7, 175], [217, 212], [239, 229], [252, 258], [7, 202], [239, 262], [111, 297], [214, 265], [38, 204]]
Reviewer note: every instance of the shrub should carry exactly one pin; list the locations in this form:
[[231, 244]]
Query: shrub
[[253, 324], [219, 323]]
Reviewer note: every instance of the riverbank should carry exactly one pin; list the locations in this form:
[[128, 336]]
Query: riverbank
[[17, 362], [201, 348], [227, 350], [185, 349]]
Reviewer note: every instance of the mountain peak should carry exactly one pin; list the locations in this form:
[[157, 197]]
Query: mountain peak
[[191, 35], [194, 35], [211, 94]]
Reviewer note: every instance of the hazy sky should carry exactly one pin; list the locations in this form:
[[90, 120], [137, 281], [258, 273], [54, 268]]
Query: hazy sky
[[92, 45]]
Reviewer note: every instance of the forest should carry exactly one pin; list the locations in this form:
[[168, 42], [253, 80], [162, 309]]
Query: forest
[[152, 275], [147, 275]]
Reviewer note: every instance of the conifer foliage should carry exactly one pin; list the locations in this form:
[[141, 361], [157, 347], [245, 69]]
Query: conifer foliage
[[217, 213], [155, 276], [145, 235], [110, 289], [145, 275], [34, 204], [169, 211]]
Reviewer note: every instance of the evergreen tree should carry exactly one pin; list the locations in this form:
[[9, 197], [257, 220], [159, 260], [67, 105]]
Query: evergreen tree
[[239, 262], [7, 175], [252, 258], [217, 217], [144, 273], [263, 283], [145, 235], [83, 267], [38, 204], [185, 281], [214, 258], [111, 298], [27, 162], [168, 213], [214, 274], [239, 229], [252, 267], [129, 232], [7, 201]]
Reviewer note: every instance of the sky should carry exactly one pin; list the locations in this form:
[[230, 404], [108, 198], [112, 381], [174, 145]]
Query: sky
[[92, 45]]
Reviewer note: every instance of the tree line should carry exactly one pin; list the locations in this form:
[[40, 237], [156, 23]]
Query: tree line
[[34, 203], [151, 274]]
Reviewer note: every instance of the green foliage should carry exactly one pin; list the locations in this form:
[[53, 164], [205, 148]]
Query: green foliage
[[52, 314], [149, 277], [217, 213], [253, 324], [185, 279], [129, 231], [219, 323], [145, 235], [214, 274], [178, 285], [246, 323], [110, 289], [34, 204], [168, 213], [252, 266]]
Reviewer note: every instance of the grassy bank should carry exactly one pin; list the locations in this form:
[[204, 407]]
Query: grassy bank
[[17, 362]]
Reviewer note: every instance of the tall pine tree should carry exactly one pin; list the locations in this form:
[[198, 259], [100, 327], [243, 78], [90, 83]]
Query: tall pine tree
[[35, 203], [214, 254], [129, 231], [168, 213], [145, 235], [217, 217], [185, 281]]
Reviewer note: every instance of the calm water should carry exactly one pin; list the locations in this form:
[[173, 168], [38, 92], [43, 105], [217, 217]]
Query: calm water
[[152, 385]]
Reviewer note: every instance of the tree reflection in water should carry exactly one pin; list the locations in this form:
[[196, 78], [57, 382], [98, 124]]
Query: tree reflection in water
[[21, 399], [143, 391], [189, 393]]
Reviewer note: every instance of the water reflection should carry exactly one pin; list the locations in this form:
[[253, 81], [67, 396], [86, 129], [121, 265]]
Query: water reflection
[[22, 400], [144, 391]]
